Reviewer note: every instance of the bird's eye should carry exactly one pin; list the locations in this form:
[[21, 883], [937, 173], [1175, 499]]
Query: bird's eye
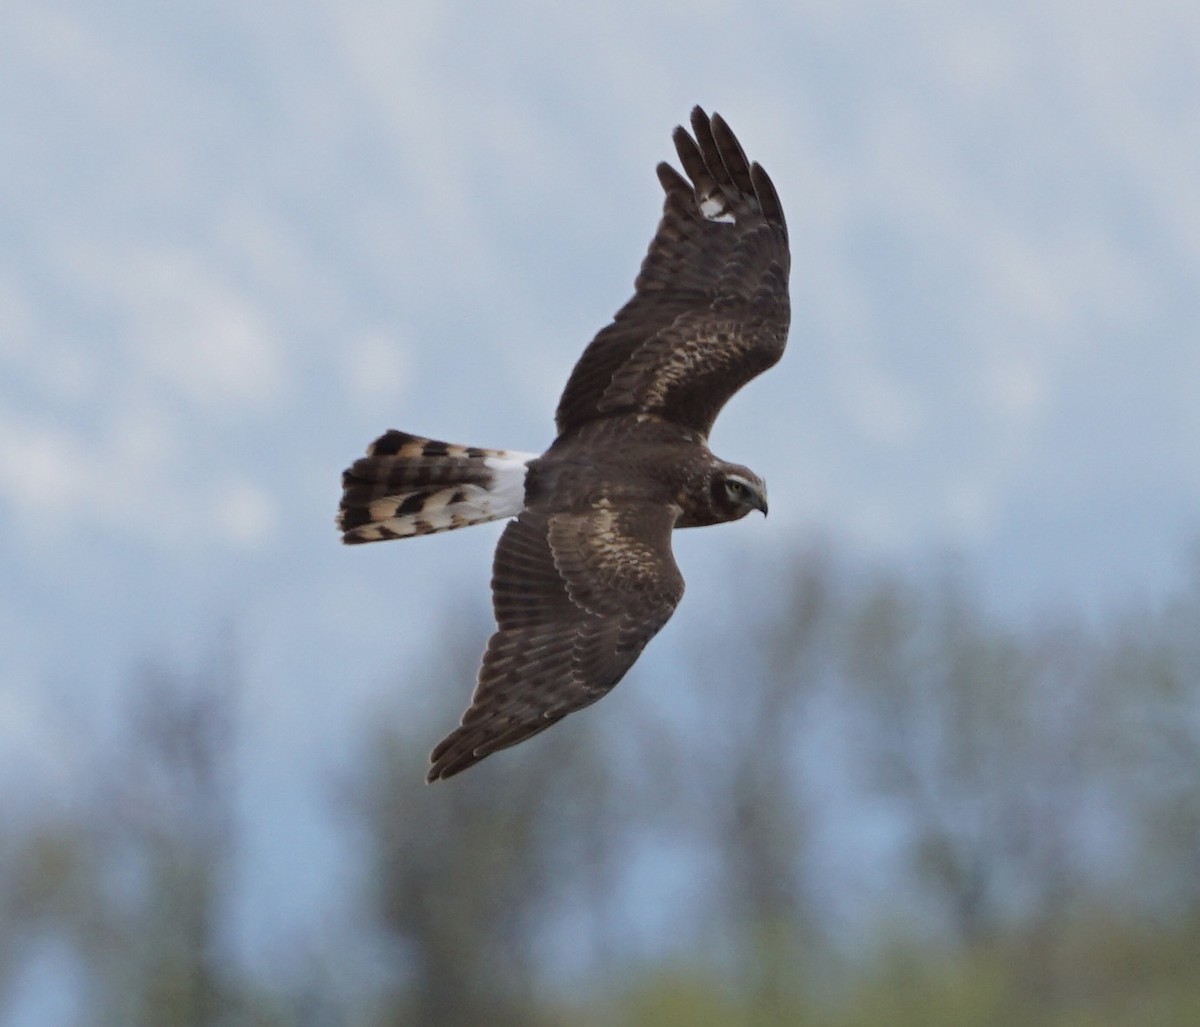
[[735, 487]]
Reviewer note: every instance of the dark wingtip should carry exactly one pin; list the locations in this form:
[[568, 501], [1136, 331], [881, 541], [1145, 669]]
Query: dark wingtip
[[768, 198], [441, 769], [436, 770], [449, 758], [734, 156], [670, 179]]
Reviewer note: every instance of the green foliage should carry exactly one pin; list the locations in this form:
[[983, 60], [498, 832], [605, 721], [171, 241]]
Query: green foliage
[[1098, 974], [1094, 973]]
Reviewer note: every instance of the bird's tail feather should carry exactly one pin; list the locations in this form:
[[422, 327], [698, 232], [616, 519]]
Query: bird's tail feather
[[407, 485]]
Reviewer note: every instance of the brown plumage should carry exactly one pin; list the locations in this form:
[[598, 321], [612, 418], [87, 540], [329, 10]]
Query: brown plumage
[[584, 576]]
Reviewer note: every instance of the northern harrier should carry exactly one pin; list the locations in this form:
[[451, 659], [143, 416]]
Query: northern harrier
[[584, 577]]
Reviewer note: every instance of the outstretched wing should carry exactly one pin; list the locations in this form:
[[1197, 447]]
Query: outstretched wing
[[710, 308], [577, 596]]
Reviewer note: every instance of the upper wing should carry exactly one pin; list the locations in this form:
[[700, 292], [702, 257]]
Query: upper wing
[[710, 308], [577, 596]]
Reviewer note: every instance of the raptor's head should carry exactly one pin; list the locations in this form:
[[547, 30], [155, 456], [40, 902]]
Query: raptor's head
[[735, 491]]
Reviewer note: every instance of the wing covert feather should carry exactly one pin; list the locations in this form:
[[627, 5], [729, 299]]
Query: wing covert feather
[[577, 596]]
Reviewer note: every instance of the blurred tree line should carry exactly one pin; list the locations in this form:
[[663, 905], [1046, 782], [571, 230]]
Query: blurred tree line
[[862, 801]]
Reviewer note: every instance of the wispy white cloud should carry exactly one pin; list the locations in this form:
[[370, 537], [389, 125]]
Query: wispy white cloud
[[245, 513], [205, 341], [377, 368]]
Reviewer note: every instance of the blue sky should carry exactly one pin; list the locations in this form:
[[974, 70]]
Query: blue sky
[[238, 240]]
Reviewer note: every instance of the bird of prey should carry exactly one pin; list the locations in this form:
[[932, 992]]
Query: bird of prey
[[583, 577]]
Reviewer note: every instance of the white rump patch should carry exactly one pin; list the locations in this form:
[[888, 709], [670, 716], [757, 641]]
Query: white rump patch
[[506, 496], [714, 209]]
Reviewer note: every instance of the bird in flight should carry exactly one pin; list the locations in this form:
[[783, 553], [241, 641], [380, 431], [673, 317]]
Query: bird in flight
[[584, 577]]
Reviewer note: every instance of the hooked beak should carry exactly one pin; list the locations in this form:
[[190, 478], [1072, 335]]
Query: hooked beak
[[760, 502]]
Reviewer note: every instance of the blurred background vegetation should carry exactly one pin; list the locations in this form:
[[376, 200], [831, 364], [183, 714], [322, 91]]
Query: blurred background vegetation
[[1025, 800]]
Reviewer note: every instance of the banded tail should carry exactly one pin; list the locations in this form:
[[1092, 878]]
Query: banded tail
[[407, 485]]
